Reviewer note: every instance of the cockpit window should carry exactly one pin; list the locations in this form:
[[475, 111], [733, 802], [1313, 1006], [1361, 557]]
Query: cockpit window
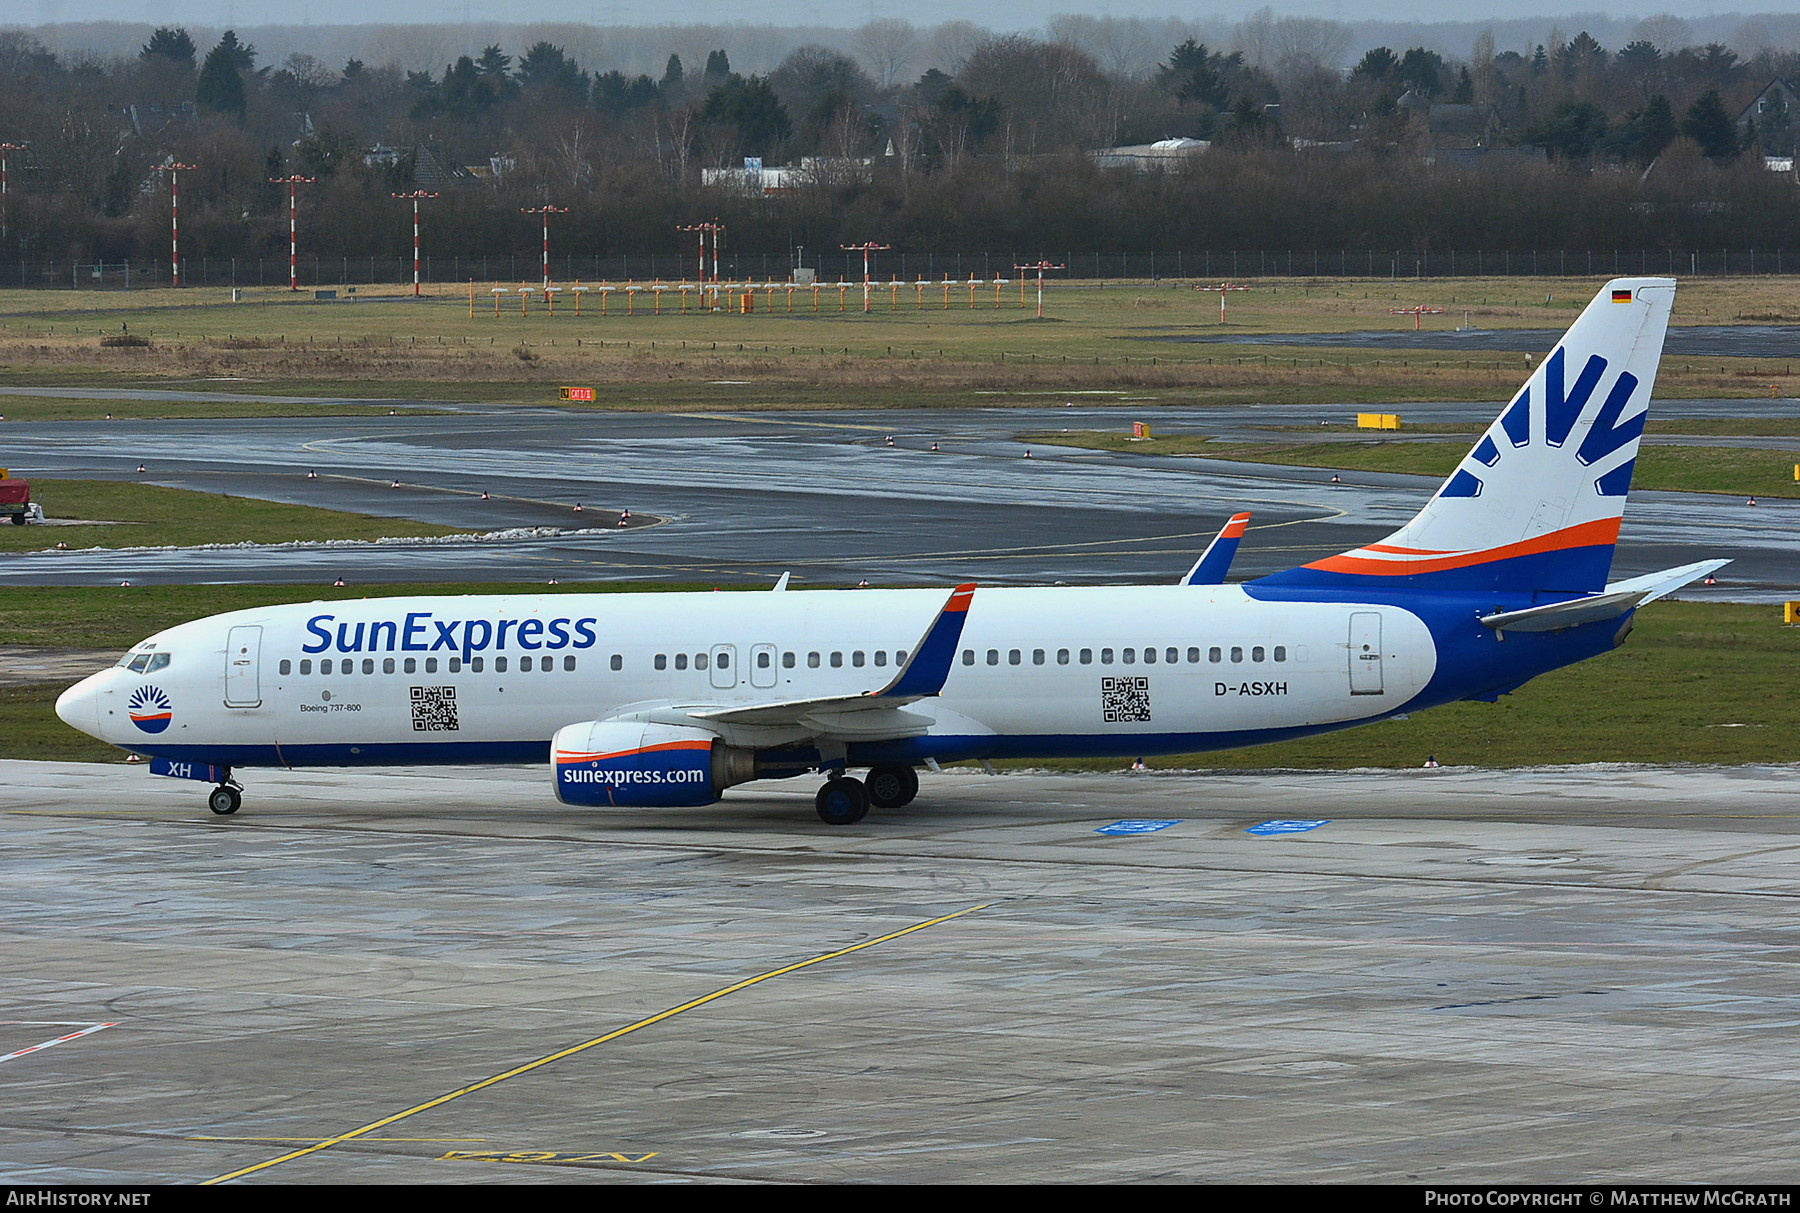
[[159, 661], [139, 663]]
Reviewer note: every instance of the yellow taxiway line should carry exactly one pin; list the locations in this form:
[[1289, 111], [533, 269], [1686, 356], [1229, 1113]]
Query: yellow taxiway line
[[385, 1121]]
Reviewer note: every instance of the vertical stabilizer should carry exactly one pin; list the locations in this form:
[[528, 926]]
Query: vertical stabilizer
[[1535, 506]]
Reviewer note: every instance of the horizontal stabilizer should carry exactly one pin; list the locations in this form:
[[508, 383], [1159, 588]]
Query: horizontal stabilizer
[[1616, 600], [1215, 561]]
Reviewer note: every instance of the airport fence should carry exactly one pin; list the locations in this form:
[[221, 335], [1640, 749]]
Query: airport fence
[[344, 272]]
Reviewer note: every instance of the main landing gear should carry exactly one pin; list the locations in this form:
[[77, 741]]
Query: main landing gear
[[845, 801]]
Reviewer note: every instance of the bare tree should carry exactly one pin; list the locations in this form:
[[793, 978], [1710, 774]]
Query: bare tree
[[888, 48], [1665, 31], [953, 42]]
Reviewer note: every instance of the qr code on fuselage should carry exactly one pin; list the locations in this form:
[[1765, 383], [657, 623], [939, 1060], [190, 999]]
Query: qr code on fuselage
[[1125, 699], [434, 710]]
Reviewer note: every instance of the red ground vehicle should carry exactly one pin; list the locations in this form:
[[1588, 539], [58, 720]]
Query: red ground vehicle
[[15, 499]]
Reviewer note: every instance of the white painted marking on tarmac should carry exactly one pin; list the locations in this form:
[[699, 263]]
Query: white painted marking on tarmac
[[89, 1030]]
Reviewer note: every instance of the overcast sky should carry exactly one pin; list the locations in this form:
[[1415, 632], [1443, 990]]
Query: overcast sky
[[996, 14]]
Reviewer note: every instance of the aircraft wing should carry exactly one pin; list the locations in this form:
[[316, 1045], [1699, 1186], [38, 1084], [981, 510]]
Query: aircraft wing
[[862, 716], [924, 674], [1618, 598]]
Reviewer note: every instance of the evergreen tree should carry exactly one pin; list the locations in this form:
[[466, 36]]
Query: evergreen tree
[[753, 108], [718, 68], [1646, 131], [220, 89], [172, 44], [671, 77], [1710, 125], [546, 68]]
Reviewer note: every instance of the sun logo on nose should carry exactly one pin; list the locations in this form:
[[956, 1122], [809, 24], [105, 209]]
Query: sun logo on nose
[[150, 709]]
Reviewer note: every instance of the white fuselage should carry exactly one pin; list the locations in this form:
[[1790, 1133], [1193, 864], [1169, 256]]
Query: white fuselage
[[1037, 671]]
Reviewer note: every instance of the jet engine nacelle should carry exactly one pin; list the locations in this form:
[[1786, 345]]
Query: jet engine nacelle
[[629, 763]]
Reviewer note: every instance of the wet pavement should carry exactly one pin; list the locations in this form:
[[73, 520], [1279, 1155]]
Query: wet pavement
[[743, 497]]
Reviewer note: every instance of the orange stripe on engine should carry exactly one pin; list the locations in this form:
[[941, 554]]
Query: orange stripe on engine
[[1588, 534], [649, 749]]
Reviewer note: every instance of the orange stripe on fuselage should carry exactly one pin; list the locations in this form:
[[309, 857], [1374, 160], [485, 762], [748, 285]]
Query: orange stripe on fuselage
[[1599, 533]]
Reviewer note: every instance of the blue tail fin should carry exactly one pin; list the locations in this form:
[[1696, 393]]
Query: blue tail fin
[[1536, 505]]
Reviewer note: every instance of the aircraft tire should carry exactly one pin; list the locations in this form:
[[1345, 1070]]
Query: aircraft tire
[[892, 787], [225, 801], [18, 519], [842, 802]]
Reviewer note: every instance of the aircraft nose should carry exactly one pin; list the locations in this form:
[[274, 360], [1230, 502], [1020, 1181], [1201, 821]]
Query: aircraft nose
[[79, 706]]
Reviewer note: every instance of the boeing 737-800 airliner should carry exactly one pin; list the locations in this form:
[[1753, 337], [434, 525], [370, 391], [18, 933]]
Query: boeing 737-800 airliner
[[663, 700]]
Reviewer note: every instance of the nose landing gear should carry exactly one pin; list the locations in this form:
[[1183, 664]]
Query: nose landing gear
[[226, 799]]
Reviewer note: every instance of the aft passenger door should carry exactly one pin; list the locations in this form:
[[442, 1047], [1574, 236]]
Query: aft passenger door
[[1365, 653], [243, 668]]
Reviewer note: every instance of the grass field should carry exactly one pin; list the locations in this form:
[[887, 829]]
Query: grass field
[[1704, 683], [1739, 471], [897, 356], [147, 515]]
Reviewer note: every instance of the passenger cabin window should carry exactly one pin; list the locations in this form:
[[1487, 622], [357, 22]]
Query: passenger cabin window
[[1237, 654], [1215, 655], [837, 660], [787, 661], [1149, 656], [1256, 654], [1280, 652], [968, 656], [499, 665], [880, 656], [1013, 657], [661, 662], [387, 665], [410, 665], [993, 657], [700, 661], [286, 666], [368, 665], [856, 658], [431, 665], [306, 665], [1106, 656], [1062, 657], [812, 661], [681, 661], [477, 664], [724, 661], [618, 661], [1037, 657], [454, 665], [569, 663], [325, 665], [1087, 657]]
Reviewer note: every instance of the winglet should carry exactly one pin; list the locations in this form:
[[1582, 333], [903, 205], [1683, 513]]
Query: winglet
[[1215, 561], [929, 666]]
